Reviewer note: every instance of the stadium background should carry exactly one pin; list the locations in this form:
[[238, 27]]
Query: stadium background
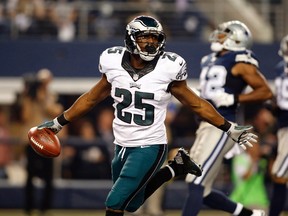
[[100, 24]]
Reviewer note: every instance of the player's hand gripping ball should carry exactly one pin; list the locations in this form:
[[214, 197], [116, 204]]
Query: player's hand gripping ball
[[44, 142]]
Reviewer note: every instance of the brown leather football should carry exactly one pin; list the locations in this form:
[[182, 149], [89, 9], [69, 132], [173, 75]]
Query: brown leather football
[[44, 142]]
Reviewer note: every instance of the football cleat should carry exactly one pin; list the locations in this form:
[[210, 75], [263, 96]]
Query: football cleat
[[258, 212], [183, 164]]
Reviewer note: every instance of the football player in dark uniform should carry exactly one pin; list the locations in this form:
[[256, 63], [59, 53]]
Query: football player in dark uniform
[[226, 73], [280, 165]]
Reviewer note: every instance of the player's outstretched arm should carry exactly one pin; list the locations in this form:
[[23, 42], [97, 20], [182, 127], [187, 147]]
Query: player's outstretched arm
[[198, 105], [207, 112], [81, 106]]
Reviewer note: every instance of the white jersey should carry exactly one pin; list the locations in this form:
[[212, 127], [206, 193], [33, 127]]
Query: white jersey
[[140, 96]]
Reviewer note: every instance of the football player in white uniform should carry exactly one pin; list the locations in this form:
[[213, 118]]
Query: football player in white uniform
[[226, 72], [141, 78], [280, 166]]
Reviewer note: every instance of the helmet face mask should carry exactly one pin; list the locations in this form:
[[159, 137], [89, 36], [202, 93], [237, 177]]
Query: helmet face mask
[[283, 51], [233, 35], [138, 31]]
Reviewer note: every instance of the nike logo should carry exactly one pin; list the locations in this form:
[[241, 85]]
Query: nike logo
[[181, 63]]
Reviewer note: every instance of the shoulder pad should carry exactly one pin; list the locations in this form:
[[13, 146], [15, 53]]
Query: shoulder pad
[[175, 63], [110, 57], [207, 58], [173, 58], [280, 67], [247, 57], [204, 59]]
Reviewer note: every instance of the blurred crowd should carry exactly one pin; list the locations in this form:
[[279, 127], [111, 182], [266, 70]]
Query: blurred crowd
[[66, 20]]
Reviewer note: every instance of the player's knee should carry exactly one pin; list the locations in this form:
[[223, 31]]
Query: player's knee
[[114, 202]]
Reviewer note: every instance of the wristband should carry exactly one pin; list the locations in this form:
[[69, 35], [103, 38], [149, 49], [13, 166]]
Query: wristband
[[62, 120], [225, 127]]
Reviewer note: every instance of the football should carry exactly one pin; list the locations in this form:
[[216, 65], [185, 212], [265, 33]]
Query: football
[[44, 142]]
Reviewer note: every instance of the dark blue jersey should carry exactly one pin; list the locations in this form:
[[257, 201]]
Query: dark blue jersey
[[281, 84], [216, 77]]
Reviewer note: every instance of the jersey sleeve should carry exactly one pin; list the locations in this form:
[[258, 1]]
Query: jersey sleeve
[[205, 60], [247, 57], [176, 65], [110, 57], [102, 61], [182, 74]]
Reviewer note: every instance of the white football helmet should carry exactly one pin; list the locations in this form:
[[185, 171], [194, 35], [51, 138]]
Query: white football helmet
[[143, 25], [232, 35], [283, 51]]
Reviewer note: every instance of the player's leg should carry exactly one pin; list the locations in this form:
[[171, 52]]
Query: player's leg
[[139, 165], [48, 187], [218, 200], [278, 199], [209, 149], [117, 166], [280, 174], [31, 172], [139, 198], [181, 164], [154, 205]]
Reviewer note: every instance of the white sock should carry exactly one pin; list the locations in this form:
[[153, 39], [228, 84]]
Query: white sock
[[238, 209], [172, 171]]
